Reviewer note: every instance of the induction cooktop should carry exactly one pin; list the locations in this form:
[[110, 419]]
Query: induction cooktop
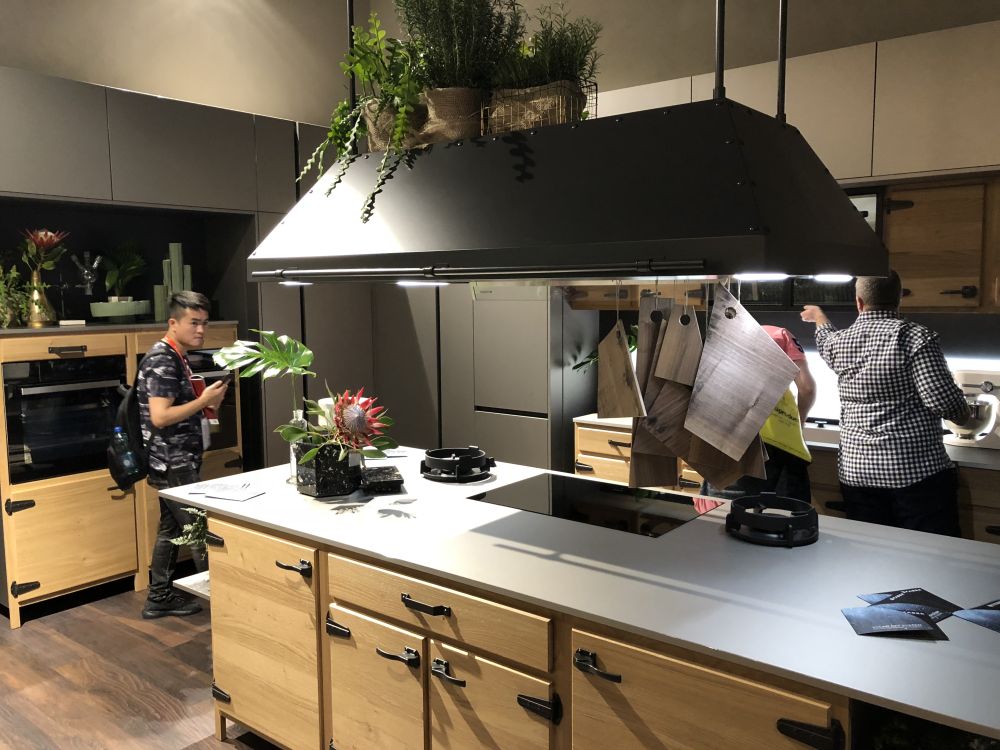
[[613, 506]]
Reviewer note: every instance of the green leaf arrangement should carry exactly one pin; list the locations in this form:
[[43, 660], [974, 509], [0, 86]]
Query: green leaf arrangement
[[15, 298], [193, 534], [123, 265], [271, 357]]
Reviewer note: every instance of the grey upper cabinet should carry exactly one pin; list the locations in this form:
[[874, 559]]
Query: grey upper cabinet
[[181, 154], [310, 136], [275, 150], [55, 136]]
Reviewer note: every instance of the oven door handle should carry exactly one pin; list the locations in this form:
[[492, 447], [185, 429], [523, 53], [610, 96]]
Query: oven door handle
[[38, 390]]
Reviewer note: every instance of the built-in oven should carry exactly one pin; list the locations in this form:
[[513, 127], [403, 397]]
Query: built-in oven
[[60, 414], [203, 365]]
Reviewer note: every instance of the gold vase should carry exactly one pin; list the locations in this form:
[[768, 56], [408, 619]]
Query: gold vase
[[40, 312]]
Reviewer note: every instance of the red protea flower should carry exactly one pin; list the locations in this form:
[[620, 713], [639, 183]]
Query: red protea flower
[[44, 239], [356, 419], [43, 248]]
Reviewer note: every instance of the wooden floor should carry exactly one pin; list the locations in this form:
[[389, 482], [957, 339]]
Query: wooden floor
[[96, 676]]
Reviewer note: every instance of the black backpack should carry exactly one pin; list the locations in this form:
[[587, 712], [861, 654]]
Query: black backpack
[[129, 420]]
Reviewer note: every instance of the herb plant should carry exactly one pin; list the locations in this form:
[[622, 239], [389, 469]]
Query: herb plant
[[15, 299], [561, 49]]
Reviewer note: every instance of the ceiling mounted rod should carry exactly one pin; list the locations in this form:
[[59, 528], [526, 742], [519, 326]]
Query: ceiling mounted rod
[[353, 91], [782, 55], [720, 51]]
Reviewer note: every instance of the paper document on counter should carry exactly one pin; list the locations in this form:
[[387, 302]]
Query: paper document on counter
[[226, 491]]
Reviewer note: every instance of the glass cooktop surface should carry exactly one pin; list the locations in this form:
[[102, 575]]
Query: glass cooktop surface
[[613, 506]]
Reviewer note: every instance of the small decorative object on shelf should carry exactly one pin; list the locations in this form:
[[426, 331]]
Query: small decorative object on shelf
[[176, 278], [40, 251], [123, 264]]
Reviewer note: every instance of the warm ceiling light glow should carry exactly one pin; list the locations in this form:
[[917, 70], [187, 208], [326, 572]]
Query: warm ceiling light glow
[[833, 278]]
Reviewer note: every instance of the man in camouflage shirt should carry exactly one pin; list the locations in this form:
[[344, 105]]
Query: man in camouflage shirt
[[172, 430]]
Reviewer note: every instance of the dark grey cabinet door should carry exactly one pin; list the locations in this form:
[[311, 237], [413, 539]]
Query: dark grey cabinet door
[[512, 354], [54, 136], [180, 154], [275, 145]]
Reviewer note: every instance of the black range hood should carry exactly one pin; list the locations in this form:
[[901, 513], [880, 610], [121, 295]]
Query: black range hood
[[711, 187]]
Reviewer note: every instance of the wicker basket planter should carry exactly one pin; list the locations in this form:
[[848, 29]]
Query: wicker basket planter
[[555, 103]]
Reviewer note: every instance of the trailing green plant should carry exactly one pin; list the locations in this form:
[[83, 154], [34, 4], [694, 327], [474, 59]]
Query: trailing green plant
[[463, 42], [123, 265], [390, 76], [560, 49], [193, 534], [272, 356], [15, 298]]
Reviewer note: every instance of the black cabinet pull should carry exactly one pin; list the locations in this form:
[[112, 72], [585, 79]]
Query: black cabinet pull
[[586, 661], [234, 463], [334, 628], [304, 568], [60, 350], [682, 482], [810, 735], [221, 695], [966, 292], [994, 530], [439, 668], [551, 710], [409, 657], [583, 467], [13, 506], [214, 540], [437, 610], [619, 444]]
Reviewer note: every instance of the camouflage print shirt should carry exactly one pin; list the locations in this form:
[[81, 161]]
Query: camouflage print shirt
[[179, 445]]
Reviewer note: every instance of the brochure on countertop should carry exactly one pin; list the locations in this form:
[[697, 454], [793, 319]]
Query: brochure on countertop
[[987, 615], [225, 491], [913, 600], [907, 612]]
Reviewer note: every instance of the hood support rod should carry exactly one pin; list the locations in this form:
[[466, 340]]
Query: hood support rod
[[782, 55], [720, 48]]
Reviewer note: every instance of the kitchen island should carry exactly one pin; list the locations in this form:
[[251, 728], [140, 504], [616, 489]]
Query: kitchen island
[[757, 628]]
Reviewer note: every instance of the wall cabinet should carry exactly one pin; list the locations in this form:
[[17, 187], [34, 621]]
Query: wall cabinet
[[265, 661], [625, 696]]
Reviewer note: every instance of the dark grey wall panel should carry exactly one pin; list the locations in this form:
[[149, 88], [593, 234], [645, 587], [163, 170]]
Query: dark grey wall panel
[[181, 154], [512, 352], [54, 136], [310, 136], [338, 328], [275, 144], [406, 367], [457, 380]]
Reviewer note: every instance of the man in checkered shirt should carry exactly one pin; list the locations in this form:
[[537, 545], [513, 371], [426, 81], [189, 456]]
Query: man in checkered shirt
[[895, 387]]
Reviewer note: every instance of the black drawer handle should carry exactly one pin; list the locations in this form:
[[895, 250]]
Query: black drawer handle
[[586, 661], [214, 540], [583, 467], [439, 668], [619, 444], [334, 628], [966, 292], [304, 568], [994, 530], [235, 463], [688, 483], [551, 710], [409, 657], [810, 735], [437, 610], [60, 350]]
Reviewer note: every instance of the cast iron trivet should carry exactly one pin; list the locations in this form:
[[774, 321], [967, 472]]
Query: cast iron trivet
[[457, 465], [750, 521]]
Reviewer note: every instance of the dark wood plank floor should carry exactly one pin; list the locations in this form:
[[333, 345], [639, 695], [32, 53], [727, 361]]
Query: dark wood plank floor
[[90, 673]]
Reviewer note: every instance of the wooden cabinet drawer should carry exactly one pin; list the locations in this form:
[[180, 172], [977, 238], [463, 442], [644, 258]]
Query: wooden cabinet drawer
[[667, 702], [481, 624], [614, 469], [481, 709], [265, 652], [221, 463], [604, 442], [979, 523], [79, 531], [373, 701], [61, 347]]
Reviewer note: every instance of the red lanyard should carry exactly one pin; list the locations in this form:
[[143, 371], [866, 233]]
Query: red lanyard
[[187, 368]]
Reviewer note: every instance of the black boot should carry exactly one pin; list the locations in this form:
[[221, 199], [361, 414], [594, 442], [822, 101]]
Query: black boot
[[172, 605]]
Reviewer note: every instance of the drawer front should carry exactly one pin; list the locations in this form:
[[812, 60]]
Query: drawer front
[[79, 531], [374, 701], [979, 487], [265, 653], [61, 347], [981, 524], [604, 442], [481, 624], [613, 469], [484, 711], [666, 702]]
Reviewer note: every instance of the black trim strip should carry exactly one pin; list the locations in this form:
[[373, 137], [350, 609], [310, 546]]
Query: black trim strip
[[512, 412]]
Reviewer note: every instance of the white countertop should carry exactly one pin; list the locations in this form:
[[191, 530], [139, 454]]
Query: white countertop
[[777, 610]]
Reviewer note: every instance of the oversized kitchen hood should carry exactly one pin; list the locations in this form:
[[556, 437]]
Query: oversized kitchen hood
[[710, 187]]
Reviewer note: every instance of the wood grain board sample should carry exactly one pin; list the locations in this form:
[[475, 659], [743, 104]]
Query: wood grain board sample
[[680, 351], [719, 469], [741, 377], [647, 334], [617, 388]]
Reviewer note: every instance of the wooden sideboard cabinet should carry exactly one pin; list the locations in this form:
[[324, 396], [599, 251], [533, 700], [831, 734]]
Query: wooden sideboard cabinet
[[265, 625]]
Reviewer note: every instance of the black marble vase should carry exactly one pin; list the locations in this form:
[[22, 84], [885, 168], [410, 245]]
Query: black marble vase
[[326, 474]]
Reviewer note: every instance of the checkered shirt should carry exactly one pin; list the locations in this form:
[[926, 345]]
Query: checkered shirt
[[895, 388]]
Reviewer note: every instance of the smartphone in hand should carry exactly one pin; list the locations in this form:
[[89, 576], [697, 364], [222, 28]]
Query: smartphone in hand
[[228, 378]]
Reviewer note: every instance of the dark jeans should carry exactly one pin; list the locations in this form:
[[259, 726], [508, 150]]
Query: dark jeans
[[787, 476], [928, 505], [172, 520]]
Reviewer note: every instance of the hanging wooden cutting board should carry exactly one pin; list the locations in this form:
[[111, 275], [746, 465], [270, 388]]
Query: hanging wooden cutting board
[[741, 377], [719, 469], [651, 464], [680, 350], [649, 325], [617, 389]]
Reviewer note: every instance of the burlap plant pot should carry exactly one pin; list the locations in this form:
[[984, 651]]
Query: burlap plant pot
[[380, 130], [453, 114], [553, 103]]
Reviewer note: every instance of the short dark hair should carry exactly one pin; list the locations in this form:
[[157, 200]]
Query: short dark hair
[[181, 301], [879, 292]]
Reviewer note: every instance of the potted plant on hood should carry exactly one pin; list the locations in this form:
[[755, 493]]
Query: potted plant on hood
[[330, 451], [40, 251], [545, 83]]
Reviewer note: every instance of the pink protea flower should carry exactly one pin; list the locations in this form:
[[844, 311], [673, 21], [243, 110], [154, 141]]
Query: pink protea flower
[[356, 419], [44, 239], [42, 249]]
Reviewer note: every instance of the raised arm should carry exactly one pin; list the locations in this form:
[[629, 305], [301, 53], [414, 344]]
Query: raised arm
[[936, 386]]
